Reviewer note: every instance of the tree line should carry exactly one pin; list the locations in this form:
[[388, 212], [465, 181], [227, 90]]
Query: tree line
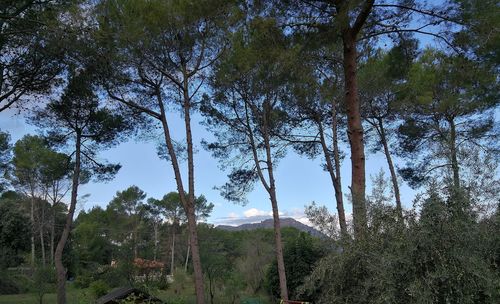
[[267, 77]]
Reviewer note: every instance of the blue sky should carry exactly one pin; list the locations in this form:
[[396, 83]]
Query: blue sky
[[299, 180]]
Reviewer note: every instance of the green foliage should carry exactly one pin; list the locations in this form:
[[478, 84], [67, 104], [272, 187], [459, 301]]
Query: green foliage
[[11, 284], [5, 155], [43, 281], [80, 115], [300, 254], [99, 288], [15, 230], [479, 19], [439, 257], [30, 52]]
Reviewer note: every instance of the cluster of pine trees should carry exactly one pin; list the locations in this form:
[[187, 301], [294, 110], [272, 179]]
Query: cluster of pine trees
[[269, 77]]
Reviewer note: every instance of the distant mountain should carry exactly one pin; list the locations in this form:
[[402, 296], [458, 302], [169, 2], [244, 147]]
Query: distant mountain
[[269, 224]]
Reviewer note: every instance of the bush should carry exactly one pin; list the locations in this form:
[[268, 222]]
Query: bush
[[83, 280], [43, 281], [437, 257], [14, 283], [117, 277], [99, 288], [300, 255], [8, 286]]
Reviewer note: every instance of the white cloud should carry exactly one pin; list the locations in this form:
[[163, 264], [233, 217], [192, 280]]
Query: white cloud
[[255, 212], [233, 215]]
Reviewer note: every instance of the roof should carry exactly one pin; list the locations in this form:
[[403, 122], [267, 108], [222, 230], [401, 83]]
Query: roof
[[142, 263], [123, 292]]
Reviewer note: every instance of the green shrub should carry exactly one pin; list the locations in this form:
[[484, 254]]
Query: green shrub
[[8, 286], [99, 288], [83, 280], [43, 281], [14, 283]]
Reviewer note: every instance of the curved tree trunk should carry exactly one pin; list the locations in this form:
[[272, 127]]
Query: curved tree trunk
[[61, 271], [339, 196], [270, 188], [392, 170], [334, 172]]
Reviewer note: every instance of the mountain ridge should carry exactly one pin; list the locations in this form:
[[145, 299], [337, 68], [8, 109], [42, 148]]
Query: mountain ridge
[[269, 224]]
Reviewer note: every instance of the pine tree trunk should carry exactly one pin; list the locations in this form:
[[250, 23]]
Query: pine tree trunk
[[195, 257], [190, 210], [172, 258], [453, 155], [339, 196], [52, 235], [135, 241], [334, 179], [274, 204], [155, 228], [279, 246], [32, 219], [198, 274], [392, 170], [42, 241], [60, 270], [270, 188], [187, 255], [355, 134]]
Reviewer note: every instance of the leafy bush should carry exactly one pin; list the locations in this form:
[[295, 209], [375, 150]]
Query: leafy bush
[[83, 280], [99, 288], [13, 283], [43, 281], [8, 285], [438, 257], [118, 276], [300, 255]]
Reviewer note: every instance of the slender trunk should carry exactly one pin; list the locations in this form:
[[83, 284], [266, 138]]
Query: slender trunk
[[271, 190], [32, 219], [52, 234], [188, 204], [155, 228], [195, 257], [210, 287], [339, 196], [41, 234], [187, 256], [190, 210], [394, 178], [274, 204], [333, 177], [135, 241], [279, 246], [453, 155], [61, 271], [355, 133], [172, 259]]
